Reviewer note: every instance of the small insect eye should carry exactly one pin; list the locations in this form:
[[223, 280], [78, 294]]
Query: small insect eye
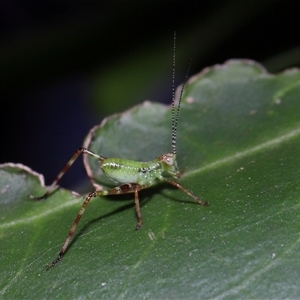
[[169, 160], [143, 170]]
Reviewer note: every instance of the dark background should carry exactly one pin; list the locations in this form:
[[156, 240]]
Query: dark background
[[64, 65]]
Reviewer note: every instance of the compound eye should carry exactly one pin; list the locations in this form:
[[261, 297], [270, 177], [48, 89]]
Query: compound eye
[[169, 160]]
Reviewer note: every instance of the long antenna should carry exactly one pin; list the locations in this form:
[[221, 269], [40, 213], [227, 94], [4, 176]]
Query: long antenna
[[174, 124], [175, 120]]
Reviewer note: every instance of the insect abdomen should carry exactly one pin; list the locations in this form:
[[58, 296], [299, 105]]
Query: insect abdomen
[[129, 171]]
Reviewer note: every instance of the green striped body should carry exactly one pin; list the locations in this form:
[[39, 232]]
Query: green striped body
[[144, 173]]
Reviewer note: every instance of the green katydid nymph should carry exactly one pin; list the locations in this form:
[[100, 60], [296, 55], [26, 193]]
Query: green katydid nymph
[[133, 176]]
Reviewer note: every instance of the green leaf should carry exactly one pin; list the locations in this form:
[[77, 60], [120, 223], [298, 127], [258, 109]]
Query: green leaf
[[238, 144]]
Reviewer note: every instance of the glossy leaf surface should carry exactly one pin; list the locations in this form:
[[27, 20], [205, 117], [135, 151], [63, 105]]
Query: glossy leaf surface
[[238, 147]]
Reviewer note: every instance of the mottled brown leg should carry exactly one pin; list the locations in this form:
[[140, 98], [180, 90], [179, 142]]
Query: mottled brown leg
[[123, 189], [64, 170], [198, 200], [138, 210]]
